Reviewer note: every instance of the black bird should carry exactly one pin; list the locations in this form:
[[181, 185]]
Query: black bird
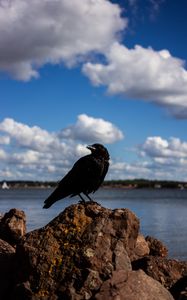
[[85, 177]]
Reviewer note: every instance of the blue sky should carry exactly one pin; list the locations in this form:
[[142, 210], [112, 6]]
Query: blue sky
[[80, 72]]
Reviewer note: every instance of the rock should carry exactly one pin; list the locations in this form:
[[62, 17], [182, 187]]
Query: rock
[[71, 256], [87, 252], [7, 256], [6, 248], [171, 273], [141, 248], [132, 285], [179, 289], [13, 226], [157, 248]]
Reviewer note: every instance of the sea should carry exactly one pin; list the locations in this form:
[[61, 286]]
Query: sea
[[162, 212]]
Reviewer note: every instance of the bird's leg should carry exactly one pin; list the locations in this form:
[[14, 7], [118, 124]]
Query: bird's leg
[[88, 197], [82, 199]]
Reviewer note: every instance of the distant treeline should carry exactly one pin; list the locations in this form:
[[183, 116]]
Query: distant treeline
[[145, 183], [133, 183]]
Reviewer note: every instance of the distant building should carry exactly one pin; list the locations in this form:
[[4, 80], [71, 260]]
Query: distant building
[[157, 186]]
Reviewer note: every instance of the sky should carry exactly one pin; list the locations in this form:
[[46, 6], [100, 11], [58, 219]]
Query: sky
[[77, 72]]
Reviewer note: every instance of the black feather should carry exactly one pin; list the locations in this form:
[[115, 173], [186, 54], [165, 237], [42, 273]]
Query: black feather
[[85, 177]]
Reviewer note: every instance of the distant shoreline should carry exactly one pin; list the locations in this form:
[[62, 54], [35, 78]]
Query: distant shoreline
[[123, 184]]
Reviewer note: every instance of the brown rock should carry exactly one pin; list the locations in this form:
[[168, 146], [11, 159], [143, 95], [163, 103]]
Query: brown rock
[[71, 256], [132, 285], [157, 248], [86, 253], [166, 271], [6, 248], [13, 226], [142, 248]]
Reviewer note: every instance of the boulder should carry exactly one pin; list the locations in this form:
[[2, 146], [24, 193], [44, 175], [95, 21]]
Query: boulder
[[171, 273], [71, 256], [86, 252], [13, 226], [166, 271], [132, 285]]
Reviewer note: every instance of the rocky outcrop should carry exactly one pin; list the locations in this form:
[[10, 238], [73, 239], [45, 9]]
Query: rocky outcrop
[[77, 251], [89, 252]]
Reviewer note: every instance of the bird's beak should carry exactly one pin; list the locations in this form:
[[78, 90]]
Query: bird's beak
[[90, 147]]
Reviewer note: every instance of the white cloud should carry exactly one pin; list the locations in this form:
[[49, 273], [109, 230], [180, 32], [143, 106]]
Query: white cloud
[[89, 129], [126, 170], [36, 32], [32, 137], [4, 140], [3, 155], [34, 153], [158, 147], [142, 73], [164, 159]]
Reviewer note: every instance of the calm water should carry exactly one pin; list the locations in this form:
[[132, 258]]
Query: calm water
[[162, 213]]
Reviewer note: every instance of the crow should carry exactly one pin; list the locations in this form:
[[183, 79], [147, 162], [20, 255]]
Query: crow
[[85, 177]]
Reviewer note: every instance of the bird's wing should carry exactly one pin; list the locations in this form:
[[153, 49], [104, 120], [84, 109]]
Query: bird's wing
[[85, 176], [82, 169], [78, 175], [104, 172], [71, 183]]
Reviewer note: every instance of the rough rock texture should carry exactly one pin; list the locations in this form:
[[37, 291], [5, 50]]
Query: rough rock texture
[[171, 273], [166, 271], [157, 248], [6, 248], [13, 226], [134, 285], [142, 248], [76, 252], [87, 252]]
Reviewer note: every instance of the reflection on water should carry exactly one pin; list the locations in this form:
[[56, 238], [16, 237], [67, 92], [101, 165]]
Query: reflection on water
[[162, 213]]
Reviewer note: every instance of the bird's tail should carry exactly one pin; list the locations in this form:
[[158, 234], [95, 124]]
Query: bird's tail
[[48, 202], [55, 196]]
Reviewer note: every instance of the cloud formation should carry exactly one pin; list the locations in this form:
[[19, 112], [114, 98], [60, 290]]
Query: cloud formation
[[33, 153], [158, 147], [88, 129], [167, 157], [36, 32], [142, 73]]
